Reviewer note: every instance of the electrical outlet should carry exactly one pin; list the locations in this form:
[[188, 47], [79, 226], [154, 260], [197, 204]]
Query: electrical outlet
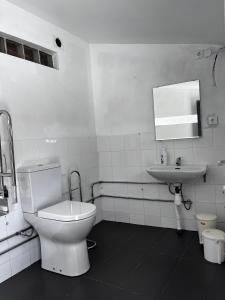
[[212, 120]]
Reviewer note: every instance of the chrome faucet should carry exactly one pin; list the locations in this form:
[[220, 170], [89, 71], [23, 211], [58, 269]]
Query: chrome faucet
[[178, 161]]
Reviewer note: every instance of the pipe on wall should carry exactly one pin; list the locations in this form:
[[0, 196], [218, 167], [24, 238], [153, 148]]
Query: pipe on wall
[[121, 182], [15, 234], [18, 245]]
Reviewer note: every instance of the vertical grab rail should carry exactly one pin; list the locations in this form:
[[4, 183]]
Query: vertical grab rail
[[70, 185], [12, 174], [90, 243]]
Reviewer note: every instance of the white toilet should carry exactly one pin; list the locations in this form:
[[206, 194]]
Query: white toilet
[[62, 225]]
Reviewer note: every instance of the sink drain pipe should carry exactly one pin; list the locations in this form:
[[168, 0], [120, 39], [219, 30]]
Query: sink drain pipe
[[178, 200]]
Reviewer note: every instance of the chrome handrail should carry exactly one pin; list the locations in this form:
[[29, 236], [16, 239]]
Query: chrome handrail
[[70, 185], [12, 174]]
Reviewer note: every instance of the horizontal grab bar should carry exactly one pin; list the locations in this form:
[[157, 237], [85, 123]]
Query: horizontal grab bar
[[136, 198], [15, 234], [6, 174], [17, 245], [129, 182], [122, 182], [129, 198]]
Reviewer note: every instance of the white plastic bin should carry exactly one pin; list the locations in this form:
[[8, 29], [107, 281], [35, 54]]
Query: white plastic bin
[[213, 240], [205, 221]]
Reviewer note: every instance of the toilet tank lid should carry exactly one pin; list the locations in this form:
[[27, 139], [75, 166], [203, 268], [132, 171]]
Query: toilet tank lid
[[37, 167], [214, 234]]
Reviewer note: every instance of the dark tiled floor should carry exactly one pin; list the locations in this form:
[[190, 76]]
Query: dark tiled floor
[[130, 262]]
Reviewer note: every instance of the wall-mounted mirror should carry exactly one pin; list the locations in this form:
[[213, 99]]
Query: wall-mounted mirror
[[177, 111]]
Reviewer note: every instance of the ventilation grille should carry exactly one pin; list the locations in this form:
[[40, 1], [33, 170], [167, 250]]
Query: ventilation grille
[[28, 51]]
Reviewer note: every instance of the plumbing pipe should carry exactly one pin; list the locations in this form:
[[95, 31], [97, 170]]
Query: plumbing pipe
[[177, 211], [15, 234], [122, 182], [177, 203], [135, 198], [17, 245]]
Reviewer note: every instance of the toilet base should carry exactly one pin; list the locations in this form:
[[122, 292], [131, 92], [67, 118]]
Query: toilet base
[[65, 259]]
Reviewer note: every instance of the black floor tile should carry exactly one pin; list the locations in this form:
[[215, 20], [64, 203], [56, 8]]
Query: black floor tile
[[190, 281], [116, 269], [194, 252], [150, 277], [174, 245], [90, 289], [35, 283], [130, 262], [217, 288]]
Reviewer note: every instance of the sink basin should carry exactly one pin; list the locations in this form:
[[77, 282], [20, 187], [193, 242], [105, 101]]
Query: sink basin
[[177, 174]]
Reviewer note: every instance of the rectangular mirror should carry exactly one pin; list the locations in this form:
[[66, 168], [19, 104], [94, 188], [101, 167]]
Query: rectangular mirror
[[177, 111]]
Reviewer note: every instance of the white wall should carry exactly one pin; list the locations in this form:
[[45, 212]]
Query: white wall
[[45, 105], [56, 106], [123, 78]]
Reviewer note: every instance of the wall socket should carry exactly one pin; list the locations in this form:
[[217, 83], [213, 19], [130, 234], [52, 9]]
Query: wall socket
[[212, 120]]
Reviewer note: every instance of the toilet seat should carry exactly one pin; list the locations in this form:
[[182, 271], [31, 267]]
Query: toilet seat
[[67, 211]]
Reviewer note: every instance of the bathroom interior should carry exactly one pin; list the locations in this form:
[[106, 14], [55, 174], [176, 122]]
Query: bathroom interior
[[112, 149]]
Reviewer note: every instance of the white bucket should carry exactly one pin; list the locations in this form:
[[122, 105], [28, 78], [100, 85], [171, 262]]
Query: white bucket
[[205, 221], [213, 240]]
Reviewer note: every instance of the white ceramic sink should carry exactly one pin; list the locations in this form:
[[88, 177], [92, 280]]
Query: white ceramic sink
[[177, 174]]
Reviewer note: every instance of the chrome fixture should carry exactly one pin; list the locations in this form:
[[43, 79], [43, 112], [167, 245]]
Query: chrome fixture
[[178, 161], [221, 162], [70, 185], [90, 243], [12, 173]]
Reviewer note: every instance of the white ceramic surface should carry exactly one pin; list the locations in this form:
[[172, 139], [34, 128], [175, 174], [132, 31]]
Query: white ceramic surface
[[62, 225], [63, 244], [179, 174], [68, 211]]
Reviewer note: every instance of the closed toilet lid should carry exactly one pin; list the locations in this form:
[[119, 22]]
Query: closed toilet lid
[[66, 211], [206, 217]]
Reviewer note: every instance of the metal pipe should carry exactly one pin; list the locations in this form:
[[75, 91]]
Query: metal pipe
[[92, 200], [1, 166], [122, 182], [15, 234], [70, 185], [136, 198], [17, 245], [130, 182], [11, 153], [3, 174]]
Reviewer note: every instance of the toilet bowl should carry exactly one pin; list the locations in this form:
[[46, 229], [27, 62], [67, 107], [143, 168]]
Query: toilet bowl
[[62, 225], [63, 236]]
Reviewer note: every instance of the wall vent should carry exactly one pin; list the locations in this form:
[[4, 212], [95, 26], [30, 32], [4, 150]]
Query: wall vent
[[22, 49]]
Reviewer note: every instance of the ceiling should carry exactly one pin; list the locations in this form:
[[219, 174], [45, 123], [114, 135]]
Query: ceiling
[[135, 21]]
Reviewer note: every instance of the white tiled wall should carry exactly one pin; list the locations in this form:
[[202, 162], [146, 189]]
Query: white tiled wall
[[52, 116], [52, 113], [206, 197], [125, 130]]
